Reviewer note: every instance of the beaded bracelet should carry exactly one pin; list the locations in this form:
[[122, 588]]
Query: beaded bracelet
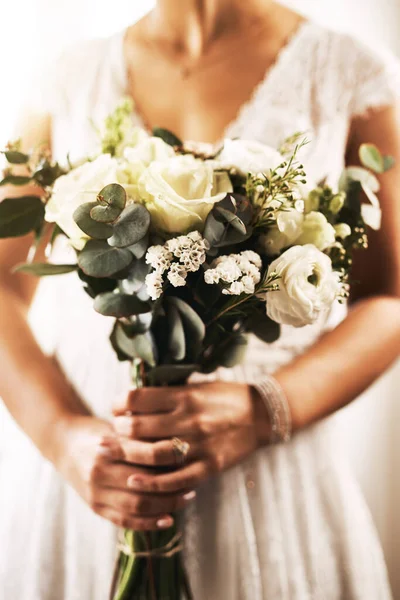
[[277, 406]]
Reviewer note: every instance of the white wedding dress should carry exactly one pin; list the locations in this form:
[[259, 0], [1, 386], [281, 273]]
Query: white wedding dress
[[287, 524]]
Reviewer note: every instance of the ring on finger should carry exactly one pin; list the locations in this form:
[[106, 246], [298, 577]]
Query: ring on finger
[[180, 449]]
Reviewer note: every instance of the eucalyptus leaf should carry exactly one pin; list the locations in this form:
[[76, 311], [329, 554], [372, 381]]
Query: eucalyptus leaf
[[232, 351], [47, 174], [167, 136], [140, 248], [138, 346], [44, 269], [371, 158], [136, 277], [388, 163], [131, 227], [263, 327], [16, 158], [176, 341], [191, 320], [95, 286], [97, 259], [232, 219], [113, 304], [19, 216], [171, 374], [92, 228], [214, 230], [110, 203], [15, 180]]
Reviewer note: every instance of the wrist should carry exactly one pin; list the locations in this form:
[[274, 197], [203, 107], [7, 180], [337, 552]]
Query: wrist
[[273, 408], [262, 420]]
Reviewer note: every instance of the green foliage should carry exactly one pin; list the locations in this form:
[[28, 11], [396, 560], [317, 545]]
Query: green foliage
[[171, 374], [135, 279], [372, 158], [131, 227], [46, 173], [95, 286], [110, 203], [92, 228], [176, 343], [112, 304], [19, 216], [229, 222], [138, 346], [44, 269], [262, 326], [167, 136], [14, 157], [117, 128], [97, 259]]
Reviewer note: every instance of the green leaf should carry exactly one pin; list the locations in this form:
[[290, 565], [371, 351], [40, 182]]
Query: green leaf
[[16, 158], [263, 327], [139, 346], [371, 158], [167, 136], [170, 374], [232, 351], [95, 286], [111, 202], [232, 219], [176, 342], [111, 304], [44, 269], [131, 227], [97, 259], [92, 228], [16, 180], [136, 277], [214, 230], [139, 250], [191, 320], [19, 216], [388, 163], [47, 174]]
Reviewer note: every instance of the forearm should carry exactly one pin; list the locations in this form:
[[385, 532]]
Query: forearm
[[344, 362], [32, 386]]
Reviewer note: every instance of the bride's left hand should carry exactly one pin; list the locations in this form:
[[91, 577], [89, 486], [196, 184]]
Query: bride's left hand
[[222, 423]]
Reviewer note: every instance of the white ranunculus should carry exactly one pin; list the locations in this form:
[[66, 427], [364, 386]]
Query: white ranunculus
[[287, 230], [307, 286], [180, 192], [249, 156], [317, 231], [75, 188]]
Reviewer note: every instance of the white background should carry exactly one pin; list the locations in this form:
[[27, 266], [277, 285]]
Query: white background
[[34, 31]]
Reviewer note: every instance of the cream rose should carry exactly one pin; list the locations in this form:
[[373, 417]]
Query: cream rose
[[180, 192], [249, 156], [307, 286], [287, 230], [80, 185], [317, 231]]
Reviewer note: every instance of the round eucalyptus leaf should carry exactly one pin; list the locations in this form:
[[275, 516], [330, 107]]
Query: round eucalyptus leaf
[[92, 228], [19, 216], [140, 248], [131, 227], [111, 304], [371, 158], [138, 346], [16, 158], [110, 203], [169, 374], [97, 259], [192, 322]]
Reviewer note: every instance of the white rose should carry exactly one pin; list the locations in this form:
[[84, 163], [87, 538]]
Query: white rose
[[249, 156], [181, 191], [287, 230], [148, 150], [307, 286], [316, 231], [77, 187]]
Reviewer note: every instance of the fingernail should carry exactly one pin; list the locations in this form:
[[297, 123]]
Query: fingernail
[[189, 496], [107, 452], [165, 522], [135, 482], [108, 440]]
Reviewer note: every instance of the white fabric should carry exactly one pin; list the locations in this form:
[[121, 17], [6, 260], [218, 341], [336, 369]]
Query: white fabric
[[301, 529]]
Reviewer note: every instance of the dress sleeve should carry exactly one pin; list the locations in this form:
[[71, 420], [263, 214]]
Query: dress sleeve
[[375, 79]]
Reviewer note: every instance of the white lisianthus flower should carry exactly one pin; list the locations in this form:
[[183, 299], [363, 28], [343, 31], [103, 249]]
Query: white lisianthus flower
[[307, 286], [180, 192], [317, 231], [342, 230], [248, 156], [288, 228], [75, 188]]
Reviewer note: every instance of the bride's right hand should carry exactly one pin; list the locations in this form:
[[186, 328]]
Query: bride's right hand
[[93, 460]]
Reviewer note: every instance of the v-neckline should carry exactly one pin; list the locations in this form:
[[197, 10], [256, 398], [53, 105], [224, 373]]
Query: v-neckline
[[245, 108]]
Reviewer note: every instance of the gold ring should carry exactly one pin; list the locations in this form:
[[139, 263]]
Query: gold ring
[[181, 450]]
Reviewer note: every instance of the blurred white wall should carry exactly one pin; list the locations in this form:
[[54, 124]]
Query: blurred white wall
[[35, 30]]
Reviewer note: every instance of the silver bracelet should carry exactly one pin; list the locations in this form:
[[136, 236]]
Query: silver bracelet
[[278, 409]]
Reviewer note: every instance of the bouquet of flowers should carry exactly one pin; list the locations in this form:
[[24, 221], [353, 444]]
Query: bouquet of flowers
[[190, 248]]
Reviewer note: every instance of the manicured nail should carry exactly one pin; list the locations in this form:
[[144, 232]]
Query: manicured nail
[[108, 440], [165, 522], [106, 452], [135, 482], [189, 496]]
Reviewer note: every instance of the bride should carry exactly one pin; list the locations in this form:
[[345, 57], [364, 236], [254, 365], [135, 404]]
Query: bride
[[263, 522]]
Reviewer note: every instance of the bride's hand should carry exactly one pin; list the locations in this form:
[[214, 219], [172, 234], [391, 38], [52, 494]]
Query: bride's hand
[[93, 461], [222, 423]]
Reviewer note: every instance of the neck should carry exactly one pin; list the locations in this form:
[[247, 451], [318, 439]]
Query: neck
[[192, 25]]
